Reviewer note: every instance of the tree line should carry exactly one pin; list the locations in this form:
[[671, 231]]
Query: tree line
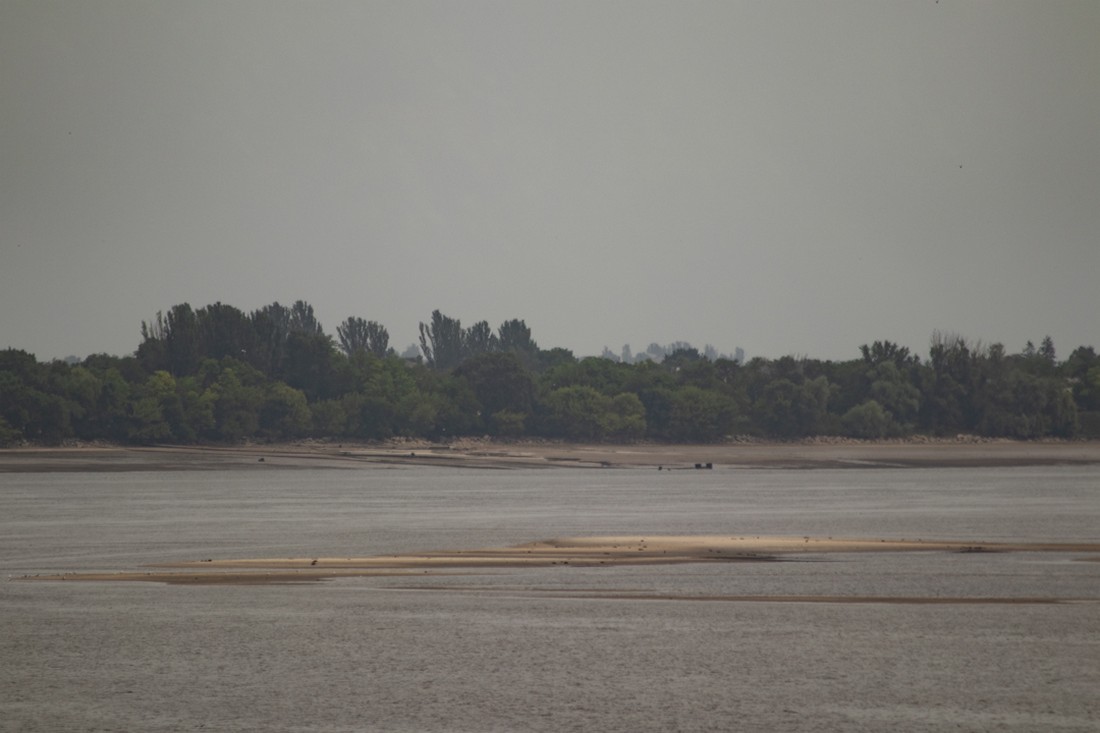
[[220, 375]]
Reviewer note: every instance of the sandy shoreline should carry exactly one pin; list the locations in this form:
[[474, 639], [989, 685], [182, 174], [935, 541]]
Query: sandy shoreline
[[488, 454]]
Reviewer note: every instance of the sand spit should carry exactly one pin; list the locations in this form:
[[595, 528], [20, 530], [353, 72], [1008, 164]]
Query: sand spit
[[771, 598], [567, 551], [468, 453]]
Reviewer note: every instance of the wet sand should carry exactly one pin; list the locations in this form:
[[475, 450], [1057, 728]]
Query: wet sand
[[567, 551], [822, 453]]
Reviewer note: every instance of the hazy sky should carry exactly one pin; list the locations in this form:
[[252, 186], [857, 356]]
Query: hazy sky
[[788, 177]]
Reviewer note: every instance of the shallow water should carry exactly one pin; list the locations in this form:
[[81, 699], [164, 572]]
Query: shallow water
[[548, 649]]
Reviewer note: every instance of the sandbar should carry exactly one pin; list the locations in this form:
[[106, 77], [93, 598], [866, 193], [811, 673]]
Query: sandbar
[[566, 551]]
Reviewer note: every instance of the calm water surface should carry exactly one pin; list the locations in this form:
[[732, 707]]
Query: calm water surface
[[547, 649]]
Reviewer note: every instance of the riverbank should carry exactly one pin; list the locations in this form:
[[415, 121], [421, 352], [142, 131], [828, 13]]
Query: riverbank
[[479, 453]]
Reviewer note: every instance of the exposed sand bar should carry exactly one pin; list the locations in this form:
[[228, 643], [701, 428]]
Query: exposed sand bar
[[765, 598], [652, 549], [573, 551], [487, 454]]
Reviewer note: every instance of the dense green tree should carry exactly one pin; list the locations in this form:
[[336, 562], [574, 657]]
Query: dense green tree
[[626, 417], [577, 413], [453, 401], [152, 352], [236, 396], [550, 358], [681, 357], [947, 386], [8, 434], [896, 395], [789, 410], [868, 420], [224, 331], [1046, 351], [882, 352], [583, 413], [1079, 362], [302, 319], [284, 412], [699, 415], [479, 339], [501, 385], [270, 328], [182, 340], [514, 335], [154, 409], [605, 376], [29, 406], [80, 390], [215, 374], [442, 342], [311, 365], [359, 336], [115, 378]]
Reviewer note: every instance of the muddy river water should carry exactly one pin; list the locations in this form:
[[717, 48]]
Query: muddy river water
[[871, 641]]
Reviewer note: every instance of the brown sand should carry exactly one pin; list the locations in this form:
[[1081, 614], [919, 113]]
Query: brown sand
[[574, 551], [821, 453]]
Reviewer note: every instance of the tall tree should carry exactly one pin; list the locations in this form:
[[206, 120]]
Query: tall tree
[[442, 341], [302, 319], [501, 384], [948, 385], [271, 327], [1046, 350], [225, 331], [479, 339], [514, 335], [183, 342], [360, 336]]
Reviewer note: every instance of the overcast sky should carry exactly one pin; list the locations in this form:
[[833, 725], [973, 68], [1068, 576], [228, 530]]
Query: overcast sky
[[787, 177]]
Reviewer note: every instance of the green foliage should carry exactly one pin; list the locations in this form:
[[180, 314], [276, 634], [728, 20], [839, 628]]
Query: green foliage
[[154, 404], [515, 336], [555, 357], [583, 413], [29, 405], [886, 352], [284, 412], [236, 404], [577, 413], [442, 342], [626, 419], [501, 384], [301, 320], [1082, 371], [604, 376], [224, 331], [217, 374], [949, 386], [508, 423], [359, 336], [789, 410], [699, 415], [310, 365], [867, 420], [479, 339], [8, 435]]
